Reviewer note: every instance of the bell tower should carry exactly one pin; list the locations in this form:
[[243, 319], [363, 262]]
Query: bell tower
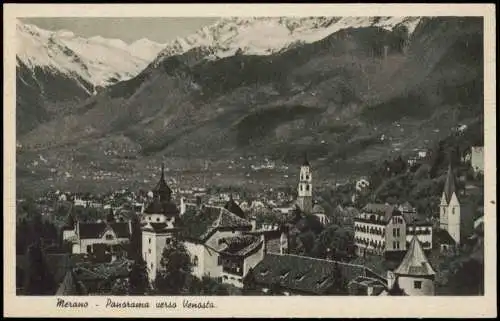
[[304, 189]]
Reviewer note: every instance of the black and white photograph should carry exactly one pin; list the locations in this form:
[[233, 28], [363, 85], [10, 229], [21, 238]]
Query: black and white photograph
[[249, 156]]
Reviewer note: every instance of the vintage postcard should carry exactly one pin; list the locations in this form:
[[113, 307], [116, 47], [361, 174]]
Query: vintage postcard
[[250, 160]]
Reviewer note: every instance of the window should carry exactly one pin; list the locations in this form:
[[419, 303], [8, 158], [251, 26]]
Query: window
[[157, 219], [168, 241], [219, 261], [152, 265], [149, 251], [417, 284], [109, 237], [452, 211], [149, 240], [394, 232], [307, 187], [195, 261], [394, 244], [89, 249], [307, 177]]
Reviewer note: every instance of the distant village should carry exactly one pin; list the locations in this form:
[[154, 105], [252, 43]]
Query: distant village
[[193, 240]]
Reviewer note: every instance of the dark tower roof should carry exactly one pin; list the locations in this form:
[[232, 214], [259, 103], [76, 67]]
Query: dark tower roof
[[306, 161], [234, 208], [161, 189], [450, 184]]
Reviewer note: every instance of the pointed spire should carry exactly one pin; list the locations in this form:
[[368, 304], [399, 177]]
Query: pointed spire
[[306, 161], [450, 184], [415, 262]]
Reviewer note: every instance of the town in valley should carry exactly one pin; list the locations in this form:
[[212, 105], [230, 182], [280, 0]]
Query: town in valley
[[266, 156]]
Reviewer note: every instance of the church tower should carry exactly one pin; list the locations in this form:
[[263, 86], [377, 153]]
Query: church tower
[[304, 189], [449, 208]]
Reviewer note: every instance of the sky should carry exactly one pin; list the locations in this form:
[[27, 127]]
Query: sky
[[128, 29]]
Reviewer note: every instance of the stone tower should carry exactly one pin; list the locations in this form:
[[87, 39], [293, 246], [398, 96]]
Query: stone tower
[[415, 275], [304, 189]]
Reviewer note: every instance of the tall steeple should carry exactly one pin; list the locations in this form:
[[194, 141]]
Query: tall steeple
[[161, 190], [450, 184], [304, 188]]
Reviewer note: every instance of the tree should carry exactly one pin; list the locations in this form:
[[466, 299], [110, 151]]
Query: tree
[[175, 267], [39, 280], [138, 278], [135, 240], [335, 243]]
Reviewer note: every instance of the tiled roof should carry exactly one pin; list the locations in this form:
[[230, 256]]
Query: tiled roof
[[382, 209], [415, 261], [306, 274], [121, 229], [202, 224], [450, 184], [87, 271], [443, 237], [240, 245], [234, 208]]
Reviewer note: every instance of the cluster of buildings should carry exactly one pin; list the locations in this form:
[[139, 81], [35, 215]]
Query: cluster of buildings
[[224, 243]]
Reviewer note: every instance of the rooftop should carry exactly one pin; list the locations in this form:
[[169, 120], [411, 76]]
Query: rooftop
[[415, 261], [307, 274]]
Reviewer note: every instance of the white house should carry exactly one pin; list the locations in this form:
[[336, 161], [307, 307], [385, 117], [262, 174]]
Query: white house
[[382, 228], [477, 159], [215, 239], [85, 236], [414, 275]]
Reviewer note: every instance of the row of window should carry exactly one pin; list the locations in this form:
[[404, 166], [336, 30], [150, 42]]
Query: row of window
[[419, 232], [371, 230], [397, 220], [396, 232], [302, 187]]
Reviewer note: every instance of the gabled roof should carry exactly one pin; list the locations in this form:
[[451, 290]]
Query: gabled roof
[[386, 210], [449, 185], [202, 224], [306, 274], [306, 161], [240, 245], [415, 262], [234, 208], [95, 230]]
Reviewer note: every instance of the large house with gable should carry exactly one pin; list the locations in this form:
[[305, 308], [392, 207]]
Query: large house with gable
[[383, 228], [219, 248], [86, 237]]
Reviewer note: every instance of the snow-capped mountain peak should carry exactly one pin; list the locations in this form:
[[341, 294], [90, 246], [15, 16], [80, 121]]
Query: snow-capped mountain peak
[[267, 35], [97, 60]]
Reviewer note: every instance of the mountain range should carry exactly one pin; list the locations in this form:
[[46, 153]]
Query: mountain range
[[56, 69], [348, 90]]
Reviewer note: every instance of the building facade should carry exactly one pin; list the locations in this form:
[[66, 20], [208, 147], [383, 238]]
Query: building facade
[[477, 159], [382, 228], [304, 188]]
